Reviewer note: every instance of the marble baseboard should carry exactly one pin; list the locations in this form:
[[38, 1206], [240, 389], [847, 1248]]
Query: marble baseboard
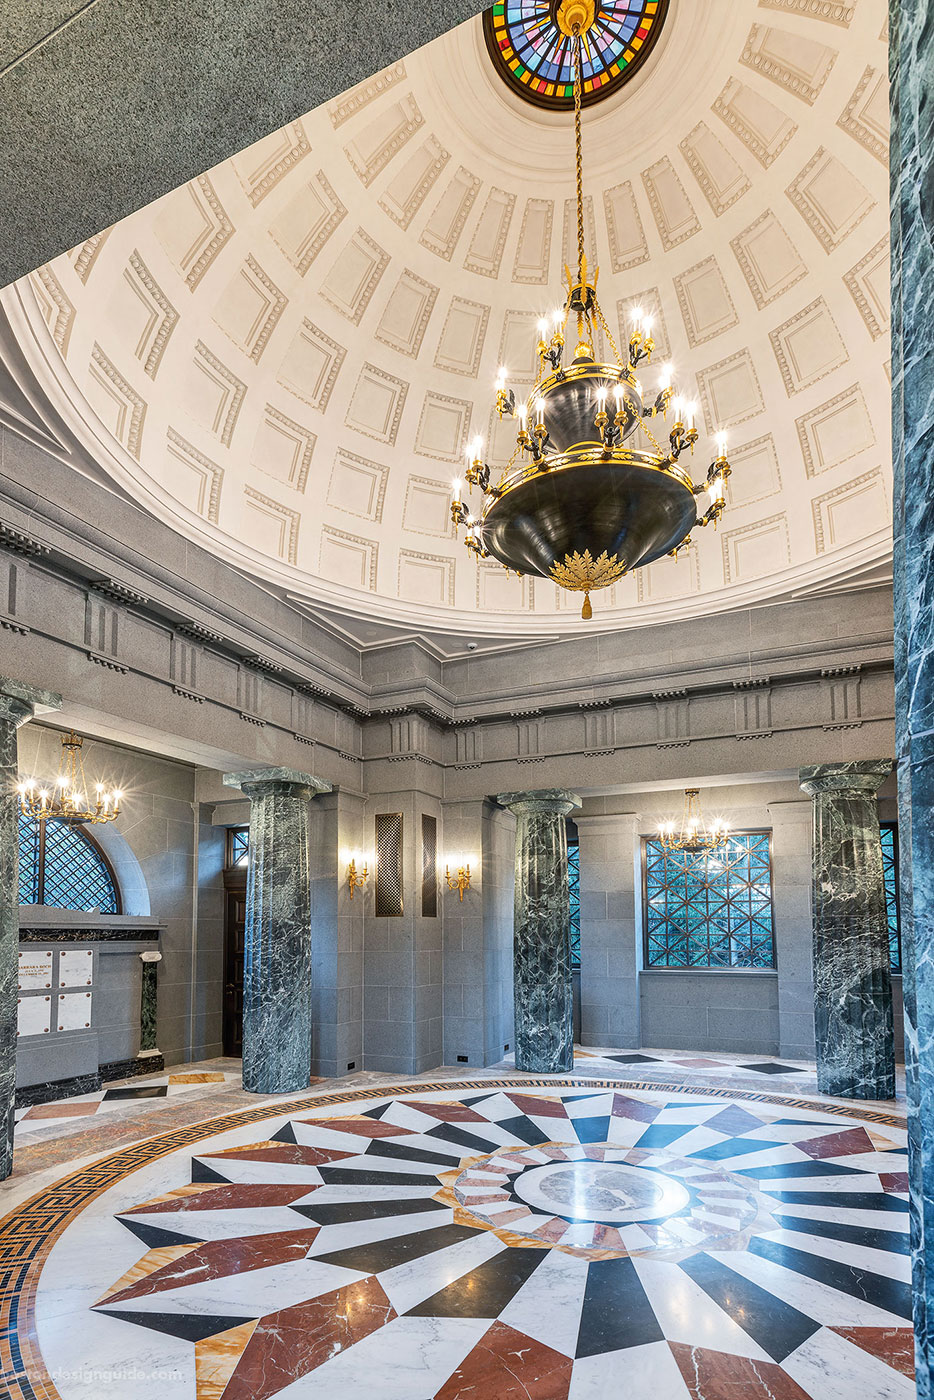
[[32, 1094], [132, 1069]]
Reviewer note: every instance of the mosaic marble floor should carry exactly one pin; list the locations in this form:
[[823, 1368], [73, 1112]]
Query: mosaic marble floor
[[498, 1236]]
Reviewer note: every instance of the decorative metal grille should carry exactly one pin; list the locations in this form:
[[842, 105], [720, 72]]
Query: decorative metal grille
[[239, 845], [889, 833], [429, 867], [61, 866], [574, 890], [388, 901], [710, 911]]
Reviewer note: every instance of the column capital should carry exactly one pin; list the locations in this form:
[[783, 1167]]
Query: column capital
[[555, 800], [20, 702], [859, 778], [266, 782]]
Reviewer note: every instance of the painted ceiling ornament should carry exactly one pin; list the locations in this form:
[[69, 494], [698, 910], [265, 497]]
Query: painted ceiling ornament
[[588, 480], [531, 45]]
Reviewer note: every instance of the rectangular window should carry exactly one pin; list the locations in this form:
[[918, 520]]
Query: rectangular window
[[889, 833], [710, 911], [238, 846], [574, 890]]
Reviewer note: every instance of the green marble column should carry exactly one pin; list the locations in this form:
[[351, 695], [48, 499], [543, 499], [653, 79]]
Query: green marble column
[[544, 1033], [18, 703], [852, 982], [277, 956]]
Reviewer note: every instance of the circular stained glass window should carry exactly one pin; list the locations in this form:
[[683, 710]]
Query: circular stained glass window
[[537, 60]]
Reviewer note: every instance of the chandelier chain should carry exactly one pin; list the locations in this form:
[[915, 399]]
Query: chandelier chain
[[578, 83]]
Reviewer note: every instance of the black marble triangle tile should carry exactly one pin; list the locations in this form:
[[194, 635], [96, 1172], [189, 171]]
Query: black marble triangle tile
[[399, 1152], [190, 1327], [362, 1176], [378, 1255], [156, 1236], [890, 1294], [346, 1212], [524, 1130], [616, 1313], [201, 1172], [773, 1067], [285, 1134], [485, 1290], [634, 1059], [776, 1171], [839, 1200], [732, 1147], [460, 1137], [776, 1326]]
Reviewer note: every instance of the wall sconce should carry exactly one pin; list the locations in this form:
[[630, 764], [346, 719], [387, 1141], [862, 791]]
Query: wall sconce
[[356, 879], [460, 881]]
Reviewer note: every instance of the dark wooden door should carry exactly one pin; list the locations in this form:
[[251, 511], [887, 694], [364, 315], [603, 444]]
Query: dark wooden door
[[233, 970]]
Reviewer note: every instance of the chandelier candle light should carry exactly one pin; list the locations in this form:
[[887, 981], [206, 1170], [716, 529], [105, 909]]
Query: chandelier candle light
[[66, 799], [693, 836], [589, 493]]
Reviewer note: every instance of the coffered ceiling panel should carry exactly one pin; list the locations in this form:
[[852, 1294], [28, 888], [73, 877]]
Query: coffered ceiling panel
[[286, 357]]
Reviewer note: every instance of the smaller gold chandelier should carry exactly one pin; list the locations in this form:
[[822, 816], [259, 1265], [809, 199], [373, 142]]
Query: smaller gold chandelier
[[693, 836], [66, 799]]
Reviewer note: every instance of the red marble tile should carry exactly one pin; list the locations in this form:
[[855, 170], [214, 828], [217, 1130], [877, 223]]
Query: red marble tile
[[220, 1259], [489, 1200], [594, 1152], [845, 1144], [363, 1127], [625, 1107], [290, 1152], [61, 1110], [245, 1196], [552, 1230], [894, 1181], [538, 1108], [448, 1112], [893, 1345], [607, 1237], [508, 1365], [716, 1375], [465, 1181], [294, 1341]]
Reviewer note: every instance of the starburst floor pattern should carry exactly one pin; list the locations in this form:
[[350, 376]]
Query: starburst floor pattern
[[523, 1240]]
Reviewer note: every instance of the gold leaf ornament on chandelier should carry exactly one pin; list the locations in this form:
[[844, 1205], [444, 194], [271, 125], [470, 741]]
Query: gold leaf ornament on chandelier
[[589, 493]]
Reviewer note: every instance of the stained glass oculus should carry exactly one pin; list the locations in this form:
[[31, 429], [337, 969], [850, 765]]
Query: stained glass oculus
[[59, 865], [536, 59], [889, 833], [710, 910]]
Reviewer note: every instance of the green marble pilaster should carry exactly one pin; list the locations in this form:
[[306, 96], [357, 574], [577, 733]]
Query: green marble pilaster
[[148, 1001], [544, 1034], [18, 704], [277, 955], [852, 982]]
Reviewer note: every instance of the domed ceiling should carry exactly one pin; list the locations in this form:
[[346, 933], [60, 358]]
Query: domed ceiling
[[286, 358]]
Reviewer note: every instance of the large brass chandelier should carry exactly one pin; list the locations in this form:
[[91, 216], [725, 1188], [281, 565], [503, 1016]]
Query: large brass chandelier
[[589, 492], [66, 798]]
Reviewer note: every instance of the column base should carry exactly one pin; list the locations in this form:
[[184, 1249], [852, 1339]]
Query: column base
[[541, 1064]]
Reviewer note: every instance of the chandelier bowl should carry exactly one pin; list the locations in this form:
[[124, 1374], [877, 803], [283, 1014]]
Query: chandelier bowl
[[624, 505], [571, 403]]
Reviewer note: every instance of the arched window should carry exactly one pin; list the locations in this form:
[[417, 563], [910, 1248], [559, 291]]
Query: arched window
[[62, 866]]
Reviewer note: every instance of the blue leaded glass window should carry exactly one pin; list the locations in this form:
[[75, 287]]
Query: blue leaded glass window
[[710, 911], [60, 865], [239, 845], [574, 889], [889, 833]]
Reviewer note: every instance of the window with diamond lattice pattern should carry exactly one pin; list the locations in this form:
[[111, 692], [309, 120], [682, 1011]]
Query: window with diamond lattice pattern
[[710, 910], [61, 866], [574, 890], [889, 833]]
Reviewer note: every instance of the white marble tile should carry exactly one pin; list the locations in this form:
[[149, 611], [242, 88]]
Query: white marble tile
[[222, 1224], [388, 1227], [824, 1304], [831, 1368], [548, 1306], [248, 1294], [648, 1372], [688, 1315], [878, 1261]]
